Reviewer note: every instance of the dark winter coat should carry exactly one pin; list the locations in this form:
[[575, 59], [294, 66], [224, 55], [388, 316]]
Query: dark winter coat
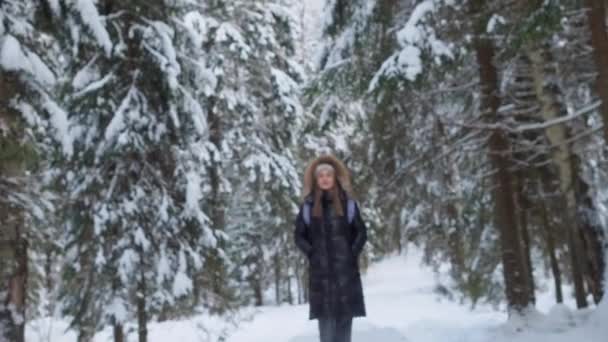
[[333, 246]]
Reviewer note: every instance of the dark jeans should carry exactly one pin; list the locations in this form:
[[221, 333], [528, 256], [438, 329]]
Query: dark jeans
[[335, 329]]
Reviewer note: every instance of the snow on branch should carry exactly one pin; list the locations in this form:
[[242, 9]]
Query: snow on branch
[[414, 38], [15, 57], [542, 125], [91, 18]]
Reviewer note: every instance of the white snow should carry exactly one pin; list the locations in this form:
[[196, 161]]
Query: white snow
[[60, 122], [14, 57], [40, 70], [55, 7], [30, 115], [85, 75], [11, 55], [311, 21], [493, 22], [401, 307], [182, 284], [411, 34], [118, 309], [93, 86], [286, 88], [227, 32], [91, 18], [199, 119], [413, 38], [118, 124], [194, 196], [168, 57], [347, 38], [196, 26]]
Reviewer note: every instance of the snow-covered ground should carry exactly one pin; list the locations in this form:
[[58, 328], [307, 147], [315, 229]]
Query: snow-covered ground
[[401, 307]]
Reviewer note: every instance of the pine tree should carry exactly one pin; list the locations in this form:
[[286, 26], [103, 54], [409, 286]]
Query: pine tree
[[171, 106], [136, 232], [32, 125], [256, 114]]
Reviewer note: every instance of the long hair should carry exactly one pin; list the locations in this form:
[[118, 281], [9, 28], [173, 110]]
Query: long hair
[[342, 185], [336, 199]]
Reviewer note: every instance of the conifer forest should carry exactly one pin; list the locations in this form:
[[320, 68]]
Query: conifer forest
[[152, 155]]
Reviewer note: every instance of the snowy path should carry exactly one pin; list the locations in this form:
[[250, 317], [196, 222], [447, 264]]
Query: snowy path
[[401, 307]]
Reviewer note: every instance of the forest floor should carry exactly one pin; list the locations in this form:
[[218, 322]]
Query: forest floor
[[402, 306]]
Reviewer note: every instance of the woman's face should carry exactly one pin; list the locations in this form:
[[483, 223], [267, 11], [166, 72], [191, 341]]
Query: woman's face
[[325, 179]]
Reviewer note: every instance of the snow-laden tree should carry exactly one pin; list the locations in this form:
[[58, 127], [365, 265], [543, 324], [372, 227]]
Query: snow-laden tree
[[459, 99], [254, 114], [366, 98], [162, 109], [135, 228], [32, 125]]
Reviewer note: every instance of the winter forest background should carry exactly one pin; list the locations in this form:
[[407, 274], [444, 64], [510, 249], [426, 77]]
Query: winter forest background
[[151, 154]]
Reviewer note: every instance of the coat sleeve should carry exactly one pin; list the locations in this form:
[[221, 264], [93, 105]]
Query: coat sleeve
[[360, 232], [302, 235]]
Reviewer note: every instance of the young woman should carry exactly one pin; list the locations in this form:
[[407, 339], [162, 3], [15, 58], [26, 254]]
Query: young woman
[[330, 232]]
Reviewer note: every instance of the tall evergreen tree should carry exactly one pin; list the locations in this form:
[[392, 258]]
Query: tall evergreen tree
[[31, 126]]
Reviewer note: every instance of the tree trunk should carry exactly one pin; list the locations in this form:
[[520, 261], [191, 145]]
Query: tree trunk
[[215, 265], [557, 275], [119, 334], [596, 17], [118, 329], [277, 279], [514, 264], [523, 223], [551, 248], [591, 235], [14, 277], [558, 136], [87, 316], [13, 243], [257, 290], [451, 208], [305, 288], [397, 232], [289, 290], [298, 281], [142, 316]]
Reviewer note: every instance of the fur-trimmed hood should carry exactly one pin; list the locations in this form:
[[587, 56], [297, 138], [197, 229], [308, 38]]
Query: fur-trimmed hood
[[342, 174]]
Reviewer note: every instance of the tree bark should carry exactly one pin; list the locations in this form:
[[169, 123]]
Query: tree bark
[[256, 283], [119, 334], [289, 290], [118, 329], [558, 135], [546, 187], [277, 279], [591, 235], [298, 281], [514, 264], [596, 17], [523, 223], [13, 242], [217, 204], [550, 239], [142, 315], [452, 208]]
